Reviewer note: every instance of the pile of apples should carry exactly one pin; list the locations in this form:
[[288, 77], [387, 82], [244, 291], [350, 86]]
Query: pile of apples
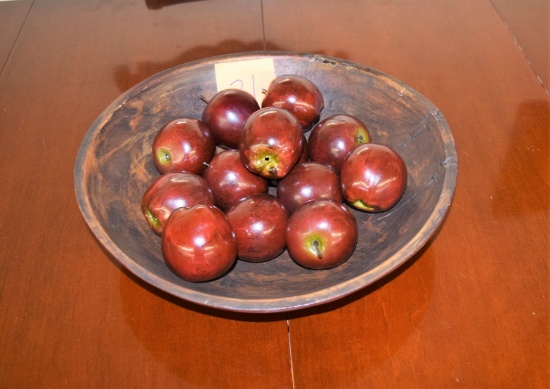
[[268, 188]]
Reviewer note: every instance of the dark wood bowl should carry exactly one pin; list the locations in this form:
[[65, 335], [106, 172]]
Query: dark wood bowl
[[114, 167]]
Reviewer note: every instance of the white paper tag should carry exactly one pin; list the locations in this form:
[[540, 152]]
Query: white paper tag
[[252, 76]]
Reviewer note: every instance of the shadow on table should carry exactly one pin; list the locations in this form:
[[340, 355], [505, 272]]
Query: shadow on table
[[128, 75]]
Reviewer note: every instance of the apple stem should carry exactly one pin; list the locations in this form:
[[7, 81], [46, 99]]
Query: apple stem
[[264, 91], [319, 253], [203, 99], [206, 164]]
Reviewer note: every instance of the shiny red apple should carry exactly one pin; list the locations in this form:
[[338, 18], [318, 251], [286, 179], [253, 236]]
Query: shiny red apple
[[171, 191], [321, 234], [306, 182], [225, 114], [198, 243], [373, 177], [332, 139], [271, 142], [304, 157], [259, 223], [298, 95], [230, 180], [184, 144]]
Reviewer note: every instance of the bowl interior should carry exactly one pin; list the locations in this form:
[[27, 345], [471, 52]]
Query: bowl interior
[[114, 167]]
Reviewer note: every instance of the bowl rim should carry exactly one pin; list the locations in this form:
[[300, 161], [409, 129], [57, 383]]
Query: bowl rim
[[280, 304]]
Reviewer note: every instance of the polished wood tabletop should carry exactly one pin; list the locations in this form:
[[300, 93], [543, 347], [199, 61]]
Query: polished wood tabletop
[[470, 310]]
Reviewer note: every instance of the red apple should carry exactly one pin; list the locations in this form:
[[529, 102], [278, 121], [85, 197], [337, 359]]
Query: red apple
[[230, 180], [259, 223], [304, 157], [225, 114], [198, 243], [271, 142], [298, 95], [309, 181], [172, 191], [373, 178], [321, 234], [333, 138], [184, 144]]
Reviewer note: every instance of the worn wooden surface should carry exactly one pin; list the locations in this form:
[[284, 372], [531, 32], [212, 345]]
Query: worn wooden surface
[[470, 310]]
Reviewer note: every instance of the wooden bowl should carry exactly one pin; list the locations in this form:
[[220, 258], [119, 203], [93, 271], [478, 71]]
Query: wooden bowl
[[114, 167]]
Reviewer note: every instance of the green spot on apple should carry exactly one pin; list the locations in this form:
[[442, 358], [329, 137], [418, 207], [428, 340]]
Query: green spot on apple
[[315, 245], [152, 219], [164, 156], [362, 136], [362, 206], [266, 163]]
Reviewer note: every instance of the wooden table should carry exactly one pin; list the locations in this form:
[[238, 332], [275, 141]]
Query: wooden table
[[470, 310]]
